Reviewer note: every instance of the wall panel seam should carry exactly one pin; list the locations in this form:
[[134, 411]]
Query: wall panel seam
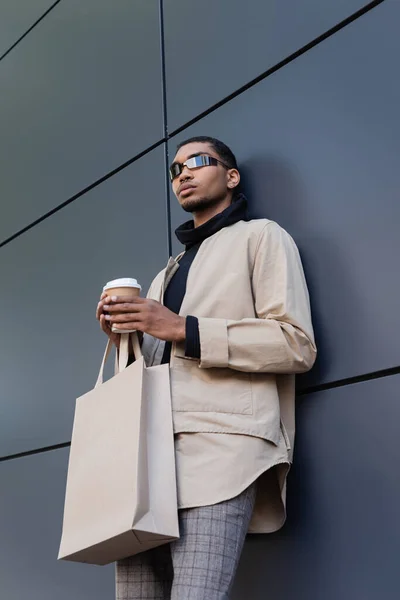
[[311, 390], [211, 109], [23, 36], [35, 451], [330, 385], [165, 123], [315, 42], [82, 192]]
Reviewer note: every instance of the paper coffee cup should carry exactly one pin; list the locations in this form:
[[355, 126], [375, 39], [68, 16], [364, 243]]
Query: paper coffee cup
[[125, 286]]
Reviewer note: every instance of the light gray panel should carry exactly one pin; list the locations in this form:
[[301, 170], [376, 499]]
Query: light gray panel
[[51, 344], [80, 96], [16, 16], [31, 512], [214, 48], [342, 538], [318, 144]]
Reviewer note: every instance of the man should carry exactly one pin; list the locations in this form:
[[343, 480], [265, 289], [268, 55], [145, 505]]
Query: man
[[231, 315]]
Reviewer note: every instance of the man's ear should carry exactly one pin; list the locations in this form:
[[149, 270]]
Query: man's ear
[[233, 176]]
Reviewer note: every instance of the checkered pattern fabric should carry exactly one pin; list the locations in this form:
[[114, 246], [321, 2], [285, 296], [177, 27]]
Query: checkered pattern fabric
[[201, 565]]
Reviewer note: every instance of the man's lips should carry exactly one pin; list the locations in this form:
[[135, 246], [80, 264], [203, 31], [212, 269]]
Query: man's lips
[[185, 188]]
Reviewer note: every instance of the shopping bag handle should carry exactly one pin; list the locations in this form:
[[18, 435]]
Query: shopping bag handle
[[121, 363]]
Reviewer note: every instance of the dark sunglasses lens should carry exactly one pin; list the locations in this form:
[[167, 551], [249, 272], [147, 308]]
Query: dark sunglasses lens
[[174, 171]]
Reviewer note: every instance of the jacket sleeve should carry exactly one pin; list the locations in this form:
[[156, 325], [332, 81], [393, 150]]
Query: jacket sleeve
[[280, 339]]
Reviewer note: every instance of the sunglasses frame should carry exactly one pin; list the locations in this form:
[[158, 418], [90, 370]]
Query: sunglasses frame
[[201, 160]]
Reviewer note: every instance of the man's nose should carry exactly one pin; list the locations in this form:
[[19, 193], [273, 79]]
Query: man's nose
[[185, 174]]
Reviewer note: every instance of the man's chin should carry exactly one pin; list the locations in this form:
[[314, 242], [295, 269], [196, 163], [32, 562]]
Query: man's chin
[[192, 205], [196, 205]]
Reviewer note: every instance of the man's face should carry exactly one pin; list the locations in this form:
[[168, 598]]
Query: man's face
[[203, 187]]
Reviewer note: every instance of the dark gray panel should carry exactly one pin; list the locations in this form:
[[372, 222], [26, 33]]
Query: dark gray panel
[[31, 511], [213, 48], [79, 97], [51, 344], [342, 538], [16, 16], [318, 143]]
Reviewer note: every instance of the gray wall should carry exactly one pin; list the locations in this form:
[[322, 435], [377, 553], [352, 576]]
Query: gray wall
[[308, 99]]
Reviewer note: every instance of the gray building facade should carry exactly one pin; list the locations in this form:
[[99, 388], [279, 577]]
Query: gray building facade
[[95, 95]]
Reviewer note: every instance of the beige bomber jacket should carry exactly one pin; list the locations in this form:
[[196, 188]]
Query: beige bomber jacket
[[247, 288]]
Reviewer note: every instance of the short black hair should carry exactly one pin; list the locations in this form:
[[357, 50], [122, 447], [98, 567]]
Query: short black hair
[[225, 154]]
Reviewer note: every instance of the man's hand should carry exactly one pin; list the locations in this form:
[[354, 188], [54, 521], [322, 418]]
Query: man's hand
[[104, 324], [148, 316]]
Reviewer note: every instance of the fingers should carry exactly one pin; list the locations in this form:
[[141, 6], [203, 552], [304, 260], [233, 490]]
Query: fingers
[[131, 325], [122, 321], [119, 304], [105, 326], [125, 313], [126, 307], [99, 310], [122, 318], [100, 305], [124, 300]]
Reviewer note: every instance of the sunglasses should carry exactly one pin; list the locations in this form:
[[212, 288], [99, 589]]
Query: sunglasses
[[194, 163]]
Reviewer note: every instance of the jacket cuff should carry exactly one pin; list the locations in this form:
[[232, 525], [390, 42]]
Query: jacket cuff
[[213, 343], [192, 342]]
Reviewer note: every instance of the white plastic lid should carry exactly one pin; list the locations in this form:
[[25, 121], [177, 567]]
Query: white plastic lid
[[123, 282]]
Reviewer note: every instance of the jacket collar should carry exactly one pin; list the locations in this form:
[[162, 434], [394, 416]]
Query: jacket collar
[[189, 235]]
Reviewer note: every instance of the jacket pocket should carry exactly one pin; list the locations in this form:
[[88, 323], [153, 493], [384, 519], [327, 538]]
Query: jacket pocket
[[210, 390]]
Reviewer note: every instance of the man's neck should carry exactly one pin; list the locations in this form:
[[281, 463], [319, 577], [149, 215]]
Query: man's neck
[[204, 216]]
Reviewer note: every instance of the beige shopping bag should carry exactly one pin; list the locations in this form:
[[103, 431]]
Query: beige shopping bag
[[121, 487]]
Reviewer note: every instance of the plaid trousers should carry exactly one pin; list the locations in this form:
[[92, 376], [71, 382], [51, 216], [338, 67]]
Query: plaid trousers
[[201, 565]]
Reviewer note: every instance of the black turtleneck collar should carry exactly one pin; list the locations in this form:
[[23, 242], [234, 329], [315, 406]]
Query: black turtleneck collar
[[189, 235]]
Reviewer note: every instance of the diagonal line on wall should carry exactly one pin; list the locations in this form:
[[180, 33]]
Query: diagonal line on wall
[[311, 390], [349, 381], [82, 192], [29, 30], [36, 451], [168, 135], [279, 65]]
